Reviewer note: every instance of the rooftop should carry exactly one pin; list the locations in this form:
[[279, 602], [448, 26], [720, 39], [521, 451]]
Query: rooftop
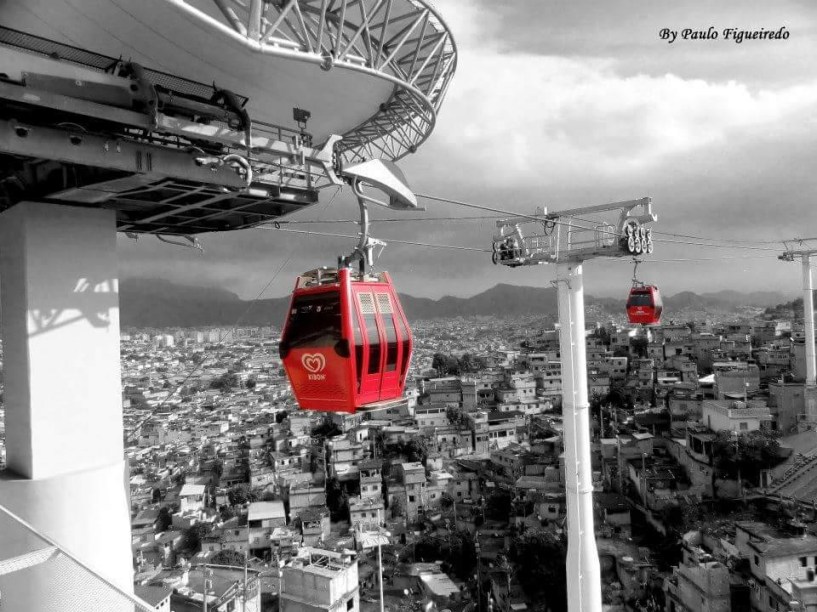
[[321, 562], [412, 466], [357, 503], [266, 510], [439, 584], [772, 542], [153, 595], [783, 547], [191, 490]]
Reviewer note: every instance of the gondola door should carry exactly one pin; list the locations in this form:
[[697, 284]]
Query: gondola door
[[371, 364]]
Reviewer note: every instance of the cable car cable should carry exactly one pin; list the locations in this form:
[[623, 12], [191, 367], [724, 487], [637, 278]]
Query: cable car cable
[[396, 241], [497, 217], [395, 220], [693, 259], [539, 219], [717, 246], [716, 242], [465, 248]]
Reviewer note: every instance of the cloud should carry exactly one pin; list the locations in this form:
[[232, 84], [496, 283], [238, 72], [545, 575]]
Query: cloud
[[516, 116], [575, 103], [626, 32]]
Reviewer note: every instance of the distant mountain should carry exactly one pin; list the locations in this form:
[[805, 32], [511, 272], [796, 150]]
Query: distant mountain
[[161, 303], [685, 299], [722, 300], [736, 298], [500, 300]]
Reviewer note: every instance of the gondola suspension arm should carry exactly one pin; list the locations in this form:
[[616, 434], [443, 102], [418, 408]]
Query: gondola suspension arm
[[365, 246]]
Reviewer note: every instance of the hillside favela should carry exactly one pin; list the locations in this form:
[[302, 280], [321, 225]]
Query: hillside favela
[[408, 306], [702, 455]]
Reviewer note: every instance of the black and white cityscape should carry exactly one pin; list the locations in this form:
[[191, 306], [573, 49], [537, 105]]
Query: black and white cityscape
[[401, 306]]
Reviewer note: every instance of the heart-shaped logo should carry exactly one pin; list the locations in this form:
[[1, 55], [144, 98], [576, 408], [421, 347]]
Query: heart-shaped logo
[[314, 362]]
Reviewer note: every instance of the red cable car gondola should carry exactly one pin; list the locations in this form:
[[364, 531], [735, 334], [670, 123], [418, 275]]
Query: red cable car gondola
[[346, 343], [644, 305]]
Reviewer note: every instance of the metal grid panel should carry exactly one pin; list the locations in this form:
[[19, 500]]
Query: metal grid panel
[[384, 303], [366, 303]]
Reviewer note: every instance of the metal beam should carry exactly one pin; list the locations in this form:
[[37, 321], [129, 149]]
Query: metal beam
[[625, 204], [231, 16], [254, 20], [274, 26], [74, 147]]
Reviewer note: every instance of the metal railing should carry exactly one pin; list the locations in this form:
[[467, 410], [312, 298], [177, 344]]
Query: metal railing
[[34, 568]]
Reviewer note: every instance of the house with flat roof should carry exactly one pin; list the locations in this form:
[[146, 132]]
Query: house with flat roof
[[191, 498], [262, 519], [736, 416], [320, 581], [776, 561]]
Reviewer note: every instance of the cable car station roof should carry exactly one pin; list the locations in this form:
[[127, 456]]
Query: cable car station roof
[[201, 138], [372, 71]]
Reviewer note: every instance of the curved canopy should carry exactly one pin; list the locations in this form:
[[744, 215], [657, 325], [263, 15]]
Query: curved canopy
[[374, 71]]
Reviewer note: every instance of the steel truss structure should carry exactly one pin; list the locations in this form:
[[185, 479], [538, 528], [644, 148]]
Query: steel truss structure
[[404, 42]]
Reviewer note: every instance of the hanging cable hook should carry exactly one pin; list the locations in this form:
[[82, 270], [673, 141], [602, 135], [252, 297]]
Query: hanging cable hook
[[636, 282], [363, 251]]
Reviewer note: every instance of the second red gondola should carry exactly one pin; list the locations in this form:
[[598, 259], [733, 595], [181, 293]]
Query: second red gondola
[[346, 344], [644, 305]]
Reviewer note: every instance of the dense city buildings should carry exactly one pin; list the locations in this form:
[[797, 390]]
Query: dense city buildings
[[704, 473]]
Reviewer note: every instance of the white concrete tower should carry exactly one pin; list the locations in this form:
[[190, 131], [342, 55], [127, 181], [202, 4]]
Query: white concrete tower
[[568, 242], [584, 591], [808, 320], [66, 471]]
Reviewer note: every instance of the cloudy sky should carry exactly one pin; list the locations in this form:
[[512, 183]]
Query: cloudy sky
[[573, 103]]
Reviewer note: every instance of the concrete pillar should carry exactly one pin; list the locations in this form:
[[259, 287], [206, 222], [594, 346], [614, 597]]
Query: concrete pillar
[[808, 320], [811, 361], [66, 471], [583, 568]]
